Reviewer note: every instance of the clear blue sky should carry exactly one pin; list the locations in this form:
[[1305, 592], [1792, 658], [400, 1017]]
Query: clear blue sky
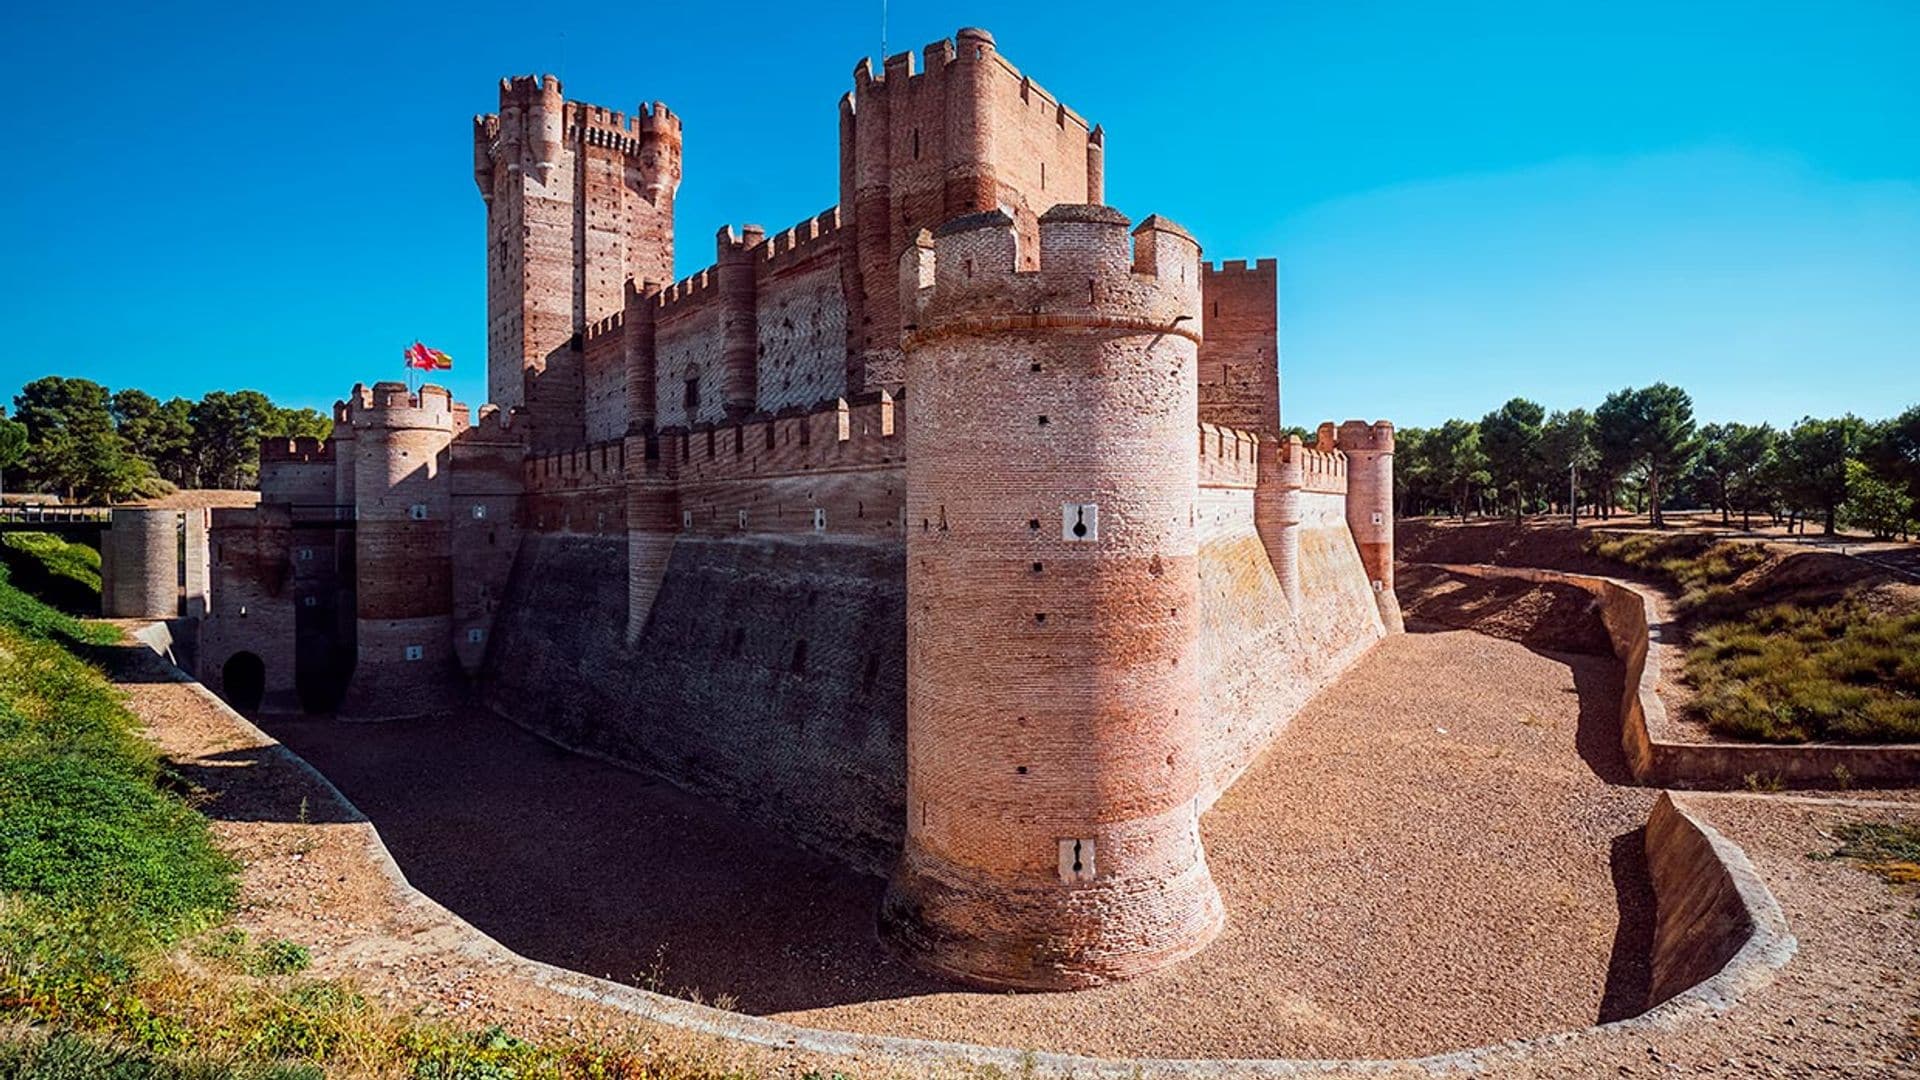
[[1468, 200]]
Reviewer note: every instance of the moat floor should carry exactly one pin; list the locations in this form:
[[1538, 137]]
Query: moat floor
[[1434, 855]]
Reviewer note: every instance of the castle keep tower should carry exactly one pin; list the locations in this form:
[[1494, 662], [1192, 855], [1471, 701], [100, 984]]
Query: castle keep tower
[[402, 555], [579, 200], [1053, 717], [965, 134]]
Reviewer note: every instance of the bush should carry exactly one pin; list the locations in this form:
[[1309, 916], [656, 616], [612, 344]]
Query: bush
[[1793, 674], [1702, 568]]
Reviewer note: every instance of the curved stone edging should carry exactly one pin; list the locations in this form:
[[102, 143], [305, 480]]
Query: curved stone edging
[[1627, 613], [1708, 863]]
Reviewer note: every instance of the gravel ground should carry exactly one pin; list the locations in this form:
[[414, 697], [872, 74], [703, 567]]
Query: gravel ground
[[1848, 1005], [1424, 861]]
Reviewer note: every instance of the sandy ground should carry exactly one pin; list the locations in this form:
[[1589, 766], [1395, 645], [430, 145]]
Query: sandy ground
[[1419, 864], [1468, 878]]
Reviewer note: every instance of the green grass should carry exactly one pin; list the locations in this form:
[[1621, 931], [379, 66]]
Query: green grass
[[1830, 669], [63, 573], [116, 959], [1792, 674], [1701, 568], [1890, 849]]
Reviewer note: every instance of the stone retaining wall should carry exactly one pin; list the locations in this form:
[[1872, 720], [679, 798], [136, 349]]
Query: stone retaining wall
[[1628, 616]]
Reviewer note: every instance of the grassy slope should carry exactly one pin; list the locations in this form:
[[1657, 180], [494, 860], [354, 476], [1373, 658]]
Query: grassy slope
[[1820, 664], [113, 962], [64, 574]]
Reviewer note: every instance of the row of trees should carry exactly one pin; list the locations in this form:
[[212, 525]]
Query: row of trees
[[1642, 448], [77, 439]]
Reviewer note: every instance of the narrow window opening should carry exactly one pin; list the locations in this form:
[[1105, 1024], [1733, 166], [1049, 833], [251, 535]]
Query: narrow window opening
[[1037, 567], [738, 641], [916, 144], [800, 657], [873, 673], [691, 399], [1043, 421]]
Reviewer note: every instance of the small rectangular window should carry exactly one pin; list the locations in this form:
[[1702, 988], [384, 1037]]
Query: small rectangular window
[[418, 511], [686, 519], [476, 635], [306, 554], [479, 512], [819, 520], [415, 652], [692, 397]]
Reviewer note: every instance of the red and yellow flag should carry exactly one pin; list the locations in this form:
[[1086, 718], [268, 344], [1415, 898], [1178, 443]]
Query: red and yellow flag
[[425, 359]]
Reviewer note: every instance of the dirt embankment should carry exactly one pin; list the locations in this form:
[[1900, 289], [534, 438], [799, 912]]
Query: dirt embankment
[[1684, 567], [1546, 616]]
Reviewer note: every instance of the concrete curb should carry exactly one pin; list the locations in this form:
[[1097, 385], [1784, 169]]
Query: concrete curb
[[1764, 948]]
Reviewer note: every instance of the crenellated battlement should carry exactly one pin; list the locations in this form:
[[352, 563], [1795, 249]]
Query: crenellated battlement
[[966, 274], [614, 325], [601, 126], [392, 405], [1320, 470], [595, 465], [303, 449], [1360, 436], [1229, 457], [858, 434], [688, 292], [789, 247], [969, 45], [1264, 269], [492, 425]]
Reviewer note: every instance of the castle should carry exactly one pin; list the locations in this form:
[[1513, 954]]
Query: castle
[[952, 530]]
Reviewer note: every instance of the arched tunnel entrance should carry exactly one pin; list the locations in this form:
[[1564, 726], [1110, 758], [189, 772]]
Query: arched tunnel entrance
[[244, 677]]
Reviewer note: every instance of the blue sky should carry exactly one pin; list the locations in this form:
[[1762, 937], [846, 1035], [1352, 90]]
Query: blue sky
[[1468, 200]]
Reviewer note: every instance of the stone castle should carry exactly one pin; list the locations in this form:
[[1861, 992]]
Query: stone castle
[[951, 531]]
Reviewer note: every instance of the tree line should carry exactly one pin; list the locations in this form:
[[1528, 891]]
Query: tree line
[[79, 440], [1641, 449]]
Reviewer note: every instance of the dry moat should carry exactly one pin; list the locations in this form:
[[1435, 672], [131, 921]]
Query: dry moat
[[1439, 852]]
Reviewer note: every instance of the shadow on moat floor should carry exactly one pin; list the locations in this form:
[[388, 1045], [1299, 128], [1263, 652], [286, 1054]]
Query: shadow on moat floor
[[601, 870]]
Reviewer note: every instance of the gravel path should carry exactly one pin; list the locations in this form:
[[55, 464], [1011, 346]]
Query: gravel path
[[1425, 860]]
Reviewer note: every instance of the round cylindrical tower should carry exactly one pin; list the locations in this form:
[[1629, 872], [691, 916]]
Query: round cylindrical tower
[[1369, 451], [403, 604], [546, 125], [970, 181], [140, 562], [1096, 164], [1276, 511], [1053, 720]]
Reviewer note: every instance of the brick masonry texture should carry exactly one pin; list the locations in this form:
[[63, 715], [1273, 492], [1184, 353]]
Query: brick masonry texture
[[948, 530]]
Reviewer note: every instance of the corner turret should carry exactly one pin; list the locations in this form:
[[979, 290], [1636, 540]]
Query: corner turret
[[403, 555], [1369, 452], [1053, 718]]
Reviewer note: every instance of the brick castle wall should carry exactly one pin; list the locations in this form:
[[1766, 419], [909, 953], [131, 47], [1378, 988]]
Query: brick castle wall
[[1239, 362]]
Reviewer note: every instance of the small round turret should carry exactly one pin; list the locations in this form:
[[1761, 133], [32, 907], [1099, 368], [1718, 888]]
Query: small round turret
[[402, 553], [140, 564], [1369, 452], [1053, 782]]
